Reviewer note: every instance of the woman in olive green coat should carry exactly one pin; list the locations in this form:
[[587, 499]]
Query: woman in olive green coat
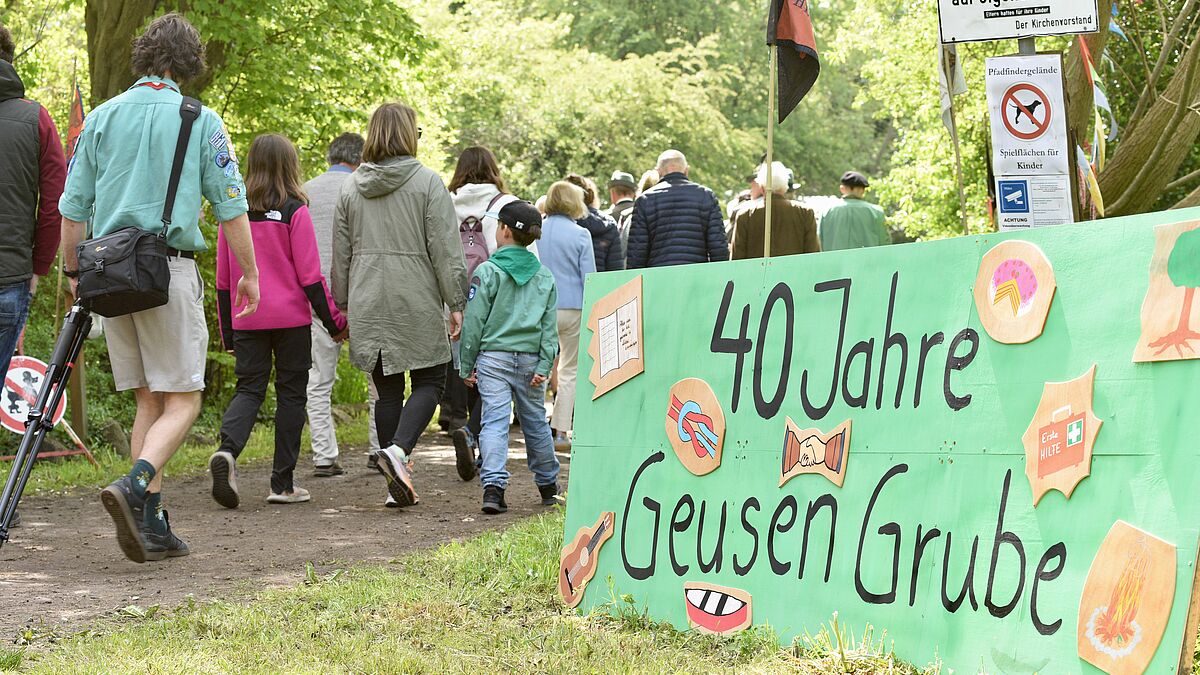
[[397, 262]]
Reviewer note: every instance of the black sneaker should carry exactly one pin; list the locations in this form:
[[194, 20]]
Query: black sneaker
[[551, 495], [493, 499], [119, 502], [160, 546], [328, 470], [373, 461], [464, 454]]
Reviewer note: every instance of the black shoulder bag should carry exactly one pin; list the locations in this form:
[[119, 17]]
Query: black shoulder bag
[[126, 271]]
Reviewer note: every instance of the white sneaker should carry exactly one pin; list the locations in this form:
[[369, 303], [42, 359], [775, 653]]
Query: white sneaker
[[391, 503], [393, 464], [296, 496]]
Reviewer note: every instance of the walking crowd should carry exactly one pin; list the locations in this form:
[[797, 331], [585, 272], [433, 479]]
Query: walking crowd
[[463, 299]]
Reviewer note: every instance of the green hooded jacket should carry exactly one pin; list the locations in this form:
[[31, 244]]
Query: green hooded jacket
[[511, 307]]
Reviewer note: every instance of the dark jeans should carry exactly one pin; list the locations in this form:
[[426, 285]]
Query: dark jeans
[[14, 309], [396, 422], [292, 349]]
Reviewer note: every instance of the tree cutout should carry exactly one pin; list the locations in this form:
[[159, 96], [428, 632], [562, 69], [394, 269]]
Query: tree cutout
[[1059, 440], [1169, 319], [1126, 601], [1013, 291]]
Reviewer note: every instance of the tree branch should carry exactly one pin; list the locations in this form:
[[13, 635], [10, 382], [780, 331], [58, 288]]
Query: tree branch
[[1150, 92], [1180, 182]]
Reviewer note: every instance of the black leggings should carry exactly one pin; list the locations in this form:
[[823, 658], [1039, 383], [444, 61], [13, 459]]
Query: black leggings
[[401, 424]]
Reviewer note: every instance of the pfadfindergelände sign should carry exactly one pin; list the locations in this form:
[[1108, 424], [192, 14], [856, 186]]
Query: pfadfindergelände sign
[[978, 20]]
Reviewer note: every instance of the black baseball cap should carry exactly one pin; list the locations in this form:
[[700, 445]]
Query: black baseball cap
[[854, 179], [519, 215]]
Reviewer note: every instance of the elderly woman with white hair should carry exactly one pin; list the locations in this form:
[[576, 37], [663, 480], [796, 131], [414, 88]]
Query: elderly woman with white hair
[[793, 227]]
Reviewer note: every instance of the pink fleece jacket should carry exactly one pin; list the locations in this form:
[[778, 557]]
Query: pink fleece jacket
[[291, 286]]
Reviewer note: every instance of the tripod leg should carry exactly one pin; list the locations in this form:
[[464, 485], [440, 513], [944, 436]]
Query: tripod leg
[[66, 350]]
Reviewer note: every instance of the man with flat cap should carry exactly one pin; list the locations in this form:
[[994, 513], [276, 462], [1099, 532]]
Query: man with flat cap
[[622, 189], [855, 223]]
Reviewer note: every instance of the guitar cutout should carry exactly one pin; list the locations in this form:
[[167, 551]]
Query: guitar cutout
[[577, 564]]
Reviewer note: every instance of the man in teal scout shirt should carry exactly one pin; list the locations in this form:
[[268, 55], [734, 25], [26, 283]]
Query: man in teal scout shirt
[[854, 223], [117, 178]]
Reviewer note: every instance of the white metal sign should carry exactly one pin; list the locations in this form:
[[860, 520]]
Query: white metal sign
[[1030, 151], [976, 20]]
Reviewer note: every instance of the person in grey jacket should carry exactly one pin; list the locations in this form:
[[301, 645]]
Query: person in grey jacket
[[397, 260]]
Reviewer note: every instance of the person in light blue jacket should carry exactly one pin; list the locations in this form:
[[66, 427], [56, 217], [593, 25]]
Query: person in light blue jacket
[[566, 248]]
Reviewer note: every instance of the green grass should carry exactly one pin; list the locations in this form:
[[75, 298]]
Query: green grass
[[487, 604], [72, 473]]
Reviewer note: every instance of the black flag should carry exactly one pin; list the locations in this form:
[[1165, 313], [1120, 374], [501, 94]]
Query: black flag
[[790, 27]]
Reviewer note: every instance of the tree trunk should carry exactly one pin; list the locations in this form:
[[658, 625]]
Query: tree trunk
[[111, 26], [1127, 183]]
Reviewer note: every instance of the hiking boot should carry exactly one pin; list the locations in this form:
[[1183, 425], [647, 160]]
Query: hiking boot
[[551, 495], [167, 545], [296, 496], [328, 470], [223, 467], [392, 464], [464, 454], [118, 500], [493, 500]]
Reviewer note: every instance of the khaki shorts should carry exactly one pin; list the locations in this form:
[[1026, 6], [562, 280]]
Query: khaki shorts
[[163, 349]]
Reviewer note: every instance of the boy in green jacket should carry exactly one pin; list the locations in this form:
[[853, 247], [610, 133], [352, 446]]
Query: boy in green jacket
[[509, 341]]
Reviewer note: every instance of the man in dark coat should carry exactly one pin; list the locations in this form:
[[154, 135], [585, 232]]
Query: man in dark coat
[[676, 222], [793, 227], [606, 240]]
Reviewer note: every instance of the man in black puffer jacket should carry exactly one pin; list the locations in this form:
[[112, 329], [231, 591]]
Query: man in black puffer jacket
[[676, 222], [606, 239]]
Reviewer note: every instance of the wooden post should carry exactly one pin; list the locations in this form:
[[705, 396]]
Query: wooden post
[[1187, 654], [767, 192], [78, 391]]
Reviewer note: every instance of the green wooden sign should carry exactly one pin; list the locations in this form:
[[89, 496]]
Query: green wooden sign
[[866, 432]]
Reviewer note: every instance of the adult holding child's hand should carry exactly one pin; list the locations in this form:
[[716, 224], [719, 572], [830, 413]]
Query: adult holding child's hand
[[397, 261]]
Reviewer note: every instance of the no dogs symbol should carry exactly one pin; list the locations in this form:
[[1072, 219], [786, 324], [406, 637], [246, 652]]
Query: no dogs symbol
[[22, 384], [1026, 112]]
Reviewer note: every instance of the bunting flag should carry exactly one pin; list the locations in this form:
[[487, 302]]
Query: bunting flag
[[951, 82], [1100, 139], [789, 27], [75, 123], [1087, 176]]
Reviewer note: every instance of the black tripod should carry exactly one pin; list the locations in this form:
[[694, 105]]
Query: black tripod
[[41, 420]]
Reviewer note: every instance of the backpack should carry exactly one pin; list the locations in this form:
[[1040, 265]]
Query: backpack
[[470, 230]]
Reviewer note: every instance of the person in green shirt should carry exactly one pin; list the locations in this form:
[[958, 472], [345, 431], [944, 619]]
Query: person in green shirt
[[854, 223], [509, 341], [118, 178]]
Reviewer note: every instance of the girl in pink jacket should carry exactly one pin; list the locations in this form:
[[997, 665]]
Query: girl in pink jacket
[[292, 289]]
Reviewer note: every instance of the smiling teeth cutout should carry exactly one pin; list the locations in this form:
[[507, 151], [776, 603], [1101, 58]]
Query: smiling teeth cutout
[[716, 609]]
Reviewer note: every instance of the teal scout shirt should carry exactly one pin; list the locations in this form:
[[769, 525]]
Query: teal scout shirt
[[853, 224], [118, 175]]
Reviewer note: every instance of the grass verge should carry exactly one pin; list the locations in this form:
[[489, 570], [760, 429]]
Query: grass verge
[[481, 605]]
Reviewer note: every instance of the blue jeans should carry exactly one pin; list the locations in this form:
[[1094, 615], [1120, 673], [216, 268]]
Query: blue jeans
[[503, 377], [14, 309]]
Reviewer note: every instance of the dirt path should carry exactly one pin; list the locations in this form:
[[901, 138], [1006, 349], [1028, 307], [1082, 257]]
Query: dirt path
[[63, 568]]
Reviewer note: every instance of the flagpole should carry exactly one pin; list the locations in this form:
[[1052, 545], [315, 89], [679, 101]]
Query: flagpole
[[767, 192], [958, 170]]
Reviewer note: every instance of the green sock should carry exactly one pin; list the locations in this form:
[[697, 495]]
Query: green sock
[[140, 476], [152, 518]]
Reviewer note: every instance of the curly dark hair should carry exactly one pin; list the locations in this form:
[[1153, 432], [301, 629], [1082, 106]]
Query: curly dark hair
[[169, 44], [7, 49]]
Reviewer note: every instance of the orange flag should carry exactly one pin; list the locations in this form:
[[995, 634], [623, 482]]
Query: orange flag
[[790, 27], [76, 123]]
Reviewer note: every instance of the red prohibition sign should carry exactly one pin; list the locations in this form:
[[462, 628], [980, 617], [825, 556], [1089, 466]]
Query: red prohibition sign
[[1010, 105]]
